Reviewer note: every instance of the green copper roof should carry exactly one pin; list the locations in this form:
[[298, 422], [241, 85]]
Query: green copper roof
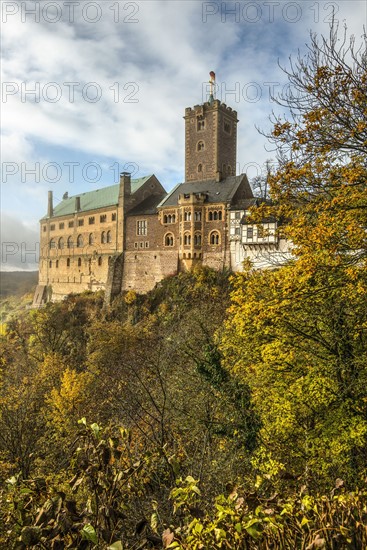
[[100, 198]]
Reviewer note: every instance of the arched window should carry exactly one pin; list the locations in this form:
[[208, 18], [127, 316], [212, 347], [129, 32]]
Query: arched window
[[219, 215], [79, 241], [187, 216], [173, 218], [197, 239], [165, 219], [57, 263], [68, 262], [168, 239], [200, 146], [200, 167], [187, 239], [100, 261], [50, 264], [215, 215], [79, 262], [61, 243], [109, 237], [214, 238], [210, 216], [91, 238], [52, 244], [103, 237], [70, 242], [197, 216]]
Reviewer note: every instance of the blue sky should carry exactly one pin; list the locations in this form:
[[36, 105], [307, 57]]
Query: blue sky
[[111, 80]]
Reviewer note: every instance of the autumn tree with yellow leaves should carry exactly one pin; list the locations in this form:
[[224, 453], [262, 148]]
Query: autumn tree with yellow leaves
[[298, 334]]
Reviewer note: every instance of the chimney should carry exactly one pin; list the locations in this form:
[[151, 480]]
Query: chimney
[[77, 204], [125, 183], [50, 208]]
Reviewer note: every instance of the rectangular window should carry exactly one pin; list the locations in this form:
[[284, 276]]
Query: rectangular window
[[136, 245], [146, 244], [91, 220], [227, 127], [114, 217], [141, 227], [237, 231], [71, 224], [80, 222], [52, 227], [102, 218], [237, 215], [61, 225], [250, 233]]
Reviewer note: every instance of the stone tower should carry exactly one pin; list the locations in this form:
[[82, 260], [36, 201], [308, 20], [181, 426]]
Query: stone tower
[[210, 141]]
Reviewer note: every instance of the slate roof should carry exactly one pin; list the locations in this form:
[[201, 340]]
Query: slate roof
[[147, 207], [221, 191], [91, 200]]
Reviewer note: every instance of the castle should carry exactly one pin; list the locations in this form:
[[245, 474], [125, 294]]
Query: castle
[[133, 234]]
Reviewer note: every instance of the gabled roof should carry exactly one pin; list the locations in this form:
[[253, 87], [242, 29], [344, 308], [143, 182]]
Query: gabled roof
[[147, 207], [216, 191], [91, 200]]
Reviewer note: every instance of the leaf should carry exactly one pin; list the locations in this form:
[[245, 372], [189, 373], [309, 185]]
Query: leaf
[[167, 538], [88, 533], [154, 521], [115, 546]]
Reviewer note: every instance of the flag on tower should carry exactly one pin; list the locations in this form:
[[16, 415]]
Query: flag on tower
[[212, 75]]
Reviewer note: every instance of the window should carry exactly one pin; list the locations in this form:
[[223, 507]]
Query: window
[[91, 220], [80, 223], [187, 216], [103, 237], [52, 227], [197, 239], [61, 225], [50, 264], [141, 227], [237, 231], [79, 262], [103, 218], [91, 238], [214, 238], [68, 262], [79, 241], [227, 126], [200, 124], [100, 261], [70, 242], [61, 243], [250, 233], [57, 263], [200, 146], [187, 239], [197, 216], [200, 167], [113, 217], [52, 244], [71, 224], [141, 244], [168, 240], [237, 215], [169, 218], [136, 245], [146, 244], [109, 237]]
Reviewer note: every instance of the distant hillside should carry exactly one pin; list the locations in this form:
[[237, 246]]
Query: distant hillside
[[17, 283]]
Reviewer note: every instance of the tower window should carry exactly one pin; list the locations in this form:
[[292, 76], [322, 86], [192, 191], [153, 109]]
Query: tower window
[[200, 146], [79, 241], [100, 261], [200, 124], [79, 262], [113, 218], [227, 127], [187, 239], [200, 167], [68, 262]]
